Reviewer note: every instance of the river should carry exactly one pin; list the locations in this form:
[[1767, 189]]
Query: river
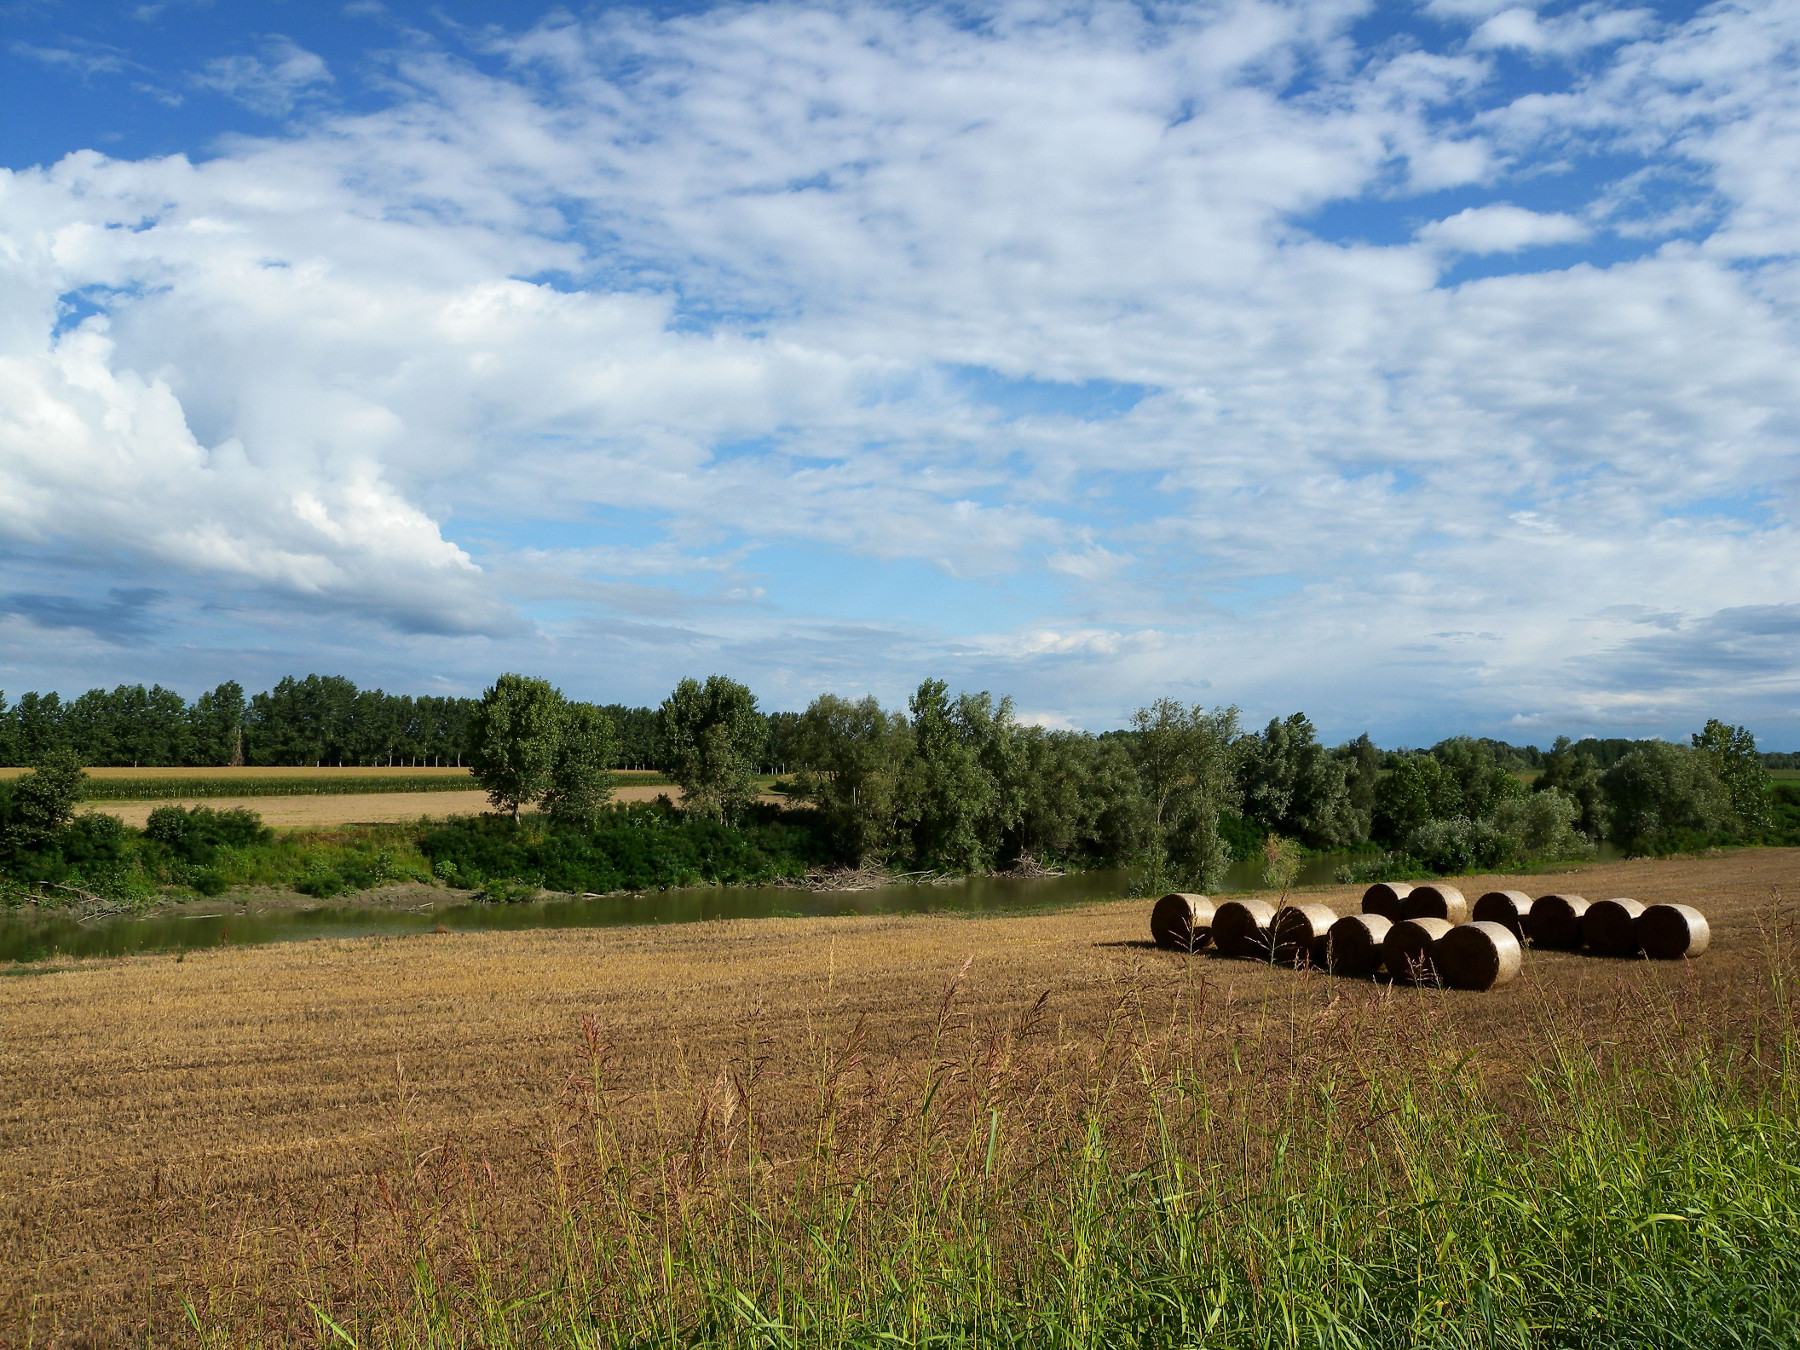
[[51, 934]]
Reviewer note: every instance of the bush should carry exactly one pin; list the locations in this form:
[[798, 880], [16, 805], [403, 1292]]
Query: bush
[[641, 846], [196, 834], [1462, 845], [1544, 825]]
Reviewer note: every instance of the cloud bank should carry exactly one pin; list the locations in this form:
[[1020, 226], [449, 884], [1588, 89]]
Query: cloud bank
[[1442, 381]]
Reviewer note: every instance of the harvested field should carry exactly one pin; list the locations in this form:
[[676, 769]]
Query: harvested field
[[375, 808], [165, 1120]]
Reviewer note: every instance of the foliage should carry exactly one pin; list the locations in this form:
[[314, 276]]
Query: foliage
[[636, 846], [1543, 824], [1294, 786], [1570, 771], [513, 737], [856, 762], [1739, 768], [1462, 845], [712, 735], [1184, 762], [956, 793], [196, 834], [580, 781], [35, 809], [1662, 796]]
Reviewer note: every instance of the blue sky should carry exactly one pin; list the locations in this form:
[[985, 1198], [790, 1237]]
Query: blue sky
[[1431, 368]]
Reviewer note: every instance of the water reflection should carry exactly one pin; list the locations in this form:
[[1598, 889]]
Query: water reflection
[[36, 939]]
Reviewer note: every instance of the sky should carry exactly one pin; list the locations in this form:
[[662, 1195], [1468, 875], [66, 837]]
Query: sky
[[1433, 368]]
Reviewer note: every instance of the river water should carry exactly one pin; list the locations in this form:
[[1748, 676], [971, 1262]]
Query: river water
[[50, 935]]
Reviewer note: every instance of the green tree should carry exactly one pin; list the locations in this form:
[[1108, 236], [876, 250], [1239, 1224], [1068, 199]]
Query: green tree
[[1294, 786], [1662, 796], [964, 794], [712, 736], [854, 759], [580, 780], [1736, 764], [1577, 776], [216, 725], [513, 737], [1184, 760], [37, 808]]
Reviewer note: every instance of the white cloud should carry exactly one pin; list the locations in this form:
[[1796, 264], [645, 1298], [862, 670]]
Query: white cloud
[[1501, 228], [270, 83], [599, 340], [1591, 25]]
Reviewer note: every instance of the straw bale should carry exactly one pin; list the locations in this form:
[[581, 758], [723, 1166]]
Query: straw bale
[[1479, 955], [1299, 934], [1353, 946], [1385, 897], [1241, 928], [1509, 909], [1182, 922], [1610, 927], [1556, 922], [1670, 932], [1407, 948], [1436, 902]]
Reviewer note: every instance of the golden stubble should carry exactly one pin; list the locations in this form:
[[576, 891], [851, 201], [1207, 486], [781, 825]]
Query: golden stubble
[[154, 1107]]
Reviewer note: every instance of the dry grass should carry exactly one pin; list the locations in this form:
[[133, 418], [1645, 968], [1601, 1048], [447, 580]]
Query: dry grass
[[350, 808], [161, 1115], [326, 771]]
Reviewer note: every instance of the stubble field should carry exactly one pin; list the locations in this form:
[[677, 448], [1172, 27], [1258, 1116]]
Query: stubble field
[[233, 1136]]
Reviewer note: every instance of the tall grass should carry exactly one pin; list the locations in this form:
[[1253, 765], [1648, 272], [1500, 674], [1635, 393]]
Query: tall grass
[[1351, 1177]]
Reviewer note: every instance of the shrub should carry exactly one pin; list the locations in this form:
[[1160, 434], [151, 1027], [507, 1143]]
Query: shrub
[[1462, 845], [641, 846]]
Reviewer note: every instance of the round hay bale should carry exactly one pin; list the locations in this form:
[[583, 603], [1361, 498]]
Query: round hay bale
[[1407, 948], [1385, 897], [1299, 931], [1670, 932], [1182, 922], [1610, 927], [1436, 902], [1556, 922], [1353, 945], [1478, 955], [1509, 909], [1241, 928]]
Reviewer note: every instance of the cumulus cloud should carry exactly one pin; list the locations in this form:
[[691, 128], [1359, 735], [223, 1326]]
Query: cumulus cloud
[[684, 341], [1501, 228]]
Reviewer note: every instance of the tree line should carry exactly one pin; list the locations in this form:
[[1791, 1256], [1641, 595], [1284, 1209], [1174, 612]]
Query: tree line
[[958, 784], [317, 720]]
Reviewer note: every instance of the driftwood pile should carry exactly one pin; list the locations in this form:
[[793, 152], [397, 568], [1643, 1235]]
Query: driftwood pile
[[1428, 934]]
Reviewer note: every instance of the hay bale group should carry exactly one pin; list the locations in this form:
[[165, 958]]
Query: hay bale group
[[1428, 934]]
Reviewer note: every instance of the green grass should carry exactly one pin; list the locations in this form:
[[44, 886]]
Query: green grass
[[1362, 1183]]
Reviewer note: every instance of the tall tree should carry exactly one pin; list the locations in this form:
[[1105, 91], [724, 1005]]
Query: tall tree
[[713, 737], [1732, 751], [513, 738], [954, 793], [1184, 763], [580, 781], [854, 759]]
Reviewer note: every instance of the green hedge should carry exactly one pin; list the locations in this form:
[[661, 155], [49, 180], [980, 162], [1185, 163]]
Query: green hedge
[[636, 847]]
